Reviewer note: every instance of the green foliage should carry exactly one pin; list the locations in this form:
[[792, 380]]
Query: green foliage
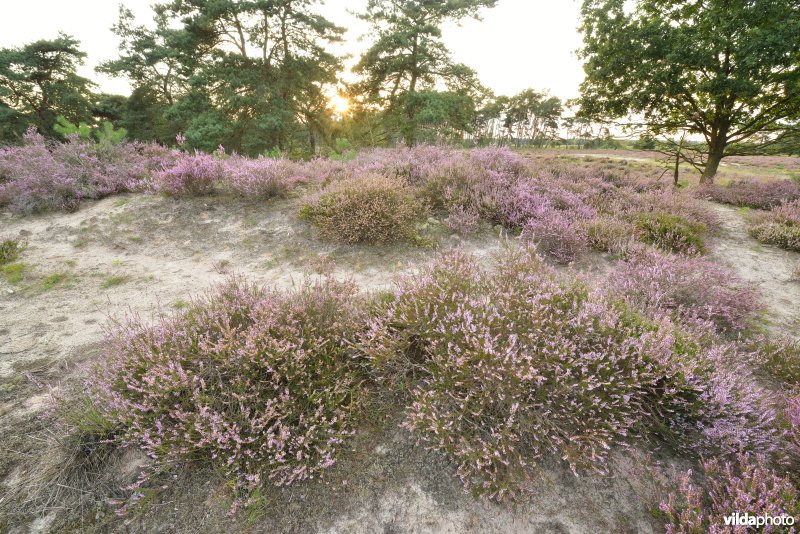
[[670, 232], [532, 116], [408, 57], [39, 82], [10, 250], [14, 273], [246, 75], [105, 134], [114, 280], [343, 150], [66, 128], [728, 71]]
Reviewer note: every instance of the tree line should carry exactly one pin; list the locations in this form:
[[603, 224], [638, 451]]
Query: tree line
[[702, 79], [256, 76]]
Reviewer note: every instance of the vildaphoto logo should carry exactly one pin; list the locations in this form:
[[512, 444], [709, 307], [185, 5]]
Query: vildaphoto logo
[[747, 520]]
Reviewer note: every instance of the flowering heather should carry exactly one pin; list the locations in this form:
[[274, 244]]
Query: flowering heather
[[780, 226], [506, 367], [691, 290], [40, 176], [259, 383], [757, 195], [261, 177], [191, 175], [462, 221], [557, 236], [746, 485]]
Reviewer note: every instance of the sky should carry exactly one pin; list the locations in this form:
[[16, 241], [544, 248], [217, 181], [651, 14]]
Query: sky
[[517, 45]]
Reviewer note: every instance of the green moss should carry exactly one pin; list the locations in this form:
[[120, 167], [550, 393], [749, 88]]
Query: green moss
[[14, 273], [53, 280]]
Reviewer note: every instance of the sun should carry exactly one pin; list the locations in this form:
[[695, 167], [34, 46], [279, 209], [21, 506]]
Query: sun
[[340, 104]]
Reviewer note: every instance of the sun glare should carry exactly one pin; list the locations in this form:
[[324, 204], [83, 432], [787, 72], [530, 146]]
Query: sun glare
[[340, 104]]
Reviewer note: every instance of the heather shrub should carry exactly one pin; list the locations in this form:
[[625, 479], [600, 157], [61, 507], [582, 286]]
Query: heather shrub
[[605, 234], [669, 232], [677, 203], [262, 177], [364, 209], [502, 368], [261, 384], [557, 236], [745, 485], [691, 290], [757, 195], [191, 175], [780, 226], [462, 221], [10, 250]]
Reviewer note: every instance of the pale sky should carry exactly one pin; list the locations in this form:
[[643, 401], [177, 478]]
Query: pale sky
[[518, 44]]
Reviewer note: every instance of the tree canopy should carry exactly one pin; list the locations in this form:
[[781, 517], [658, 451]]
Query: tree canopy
[[249, 75], [39, 82], [725, 70], [408, 57]]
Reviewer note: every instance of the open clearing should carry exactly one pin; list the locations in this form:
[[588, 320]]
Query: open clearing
[[149, 255]]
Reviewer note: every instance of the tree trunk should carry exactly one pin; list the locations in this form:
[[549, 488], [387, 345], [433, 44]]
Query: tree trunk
[[712, 164], [715, 154]]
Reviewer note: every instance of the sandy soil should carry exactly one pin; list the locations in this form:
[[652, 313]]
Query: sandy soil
[[149, 255], [767, 267]]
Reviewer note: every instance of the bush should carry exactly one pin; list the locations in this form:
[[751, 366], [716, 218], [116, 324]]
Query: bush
[[746, 485], [692, 290], [610, 235], [780, 226], [462, 221], [262, 177], [506, 367], [10, 250], [669, 232], [191, 175], [556, 236], [364, 209], [261, 384], [40, 176], [756, 195]]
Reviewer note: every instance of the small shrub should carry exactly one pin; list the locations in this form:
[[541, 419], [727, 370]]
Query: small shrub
[[10, 250], [262, 177], [747, 485], [610, 235], [192, 175], [364, 209], [556, 235], [261, 384], [40, 175], [780, 226], [672, 233], [692, 290], [462, 221]]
